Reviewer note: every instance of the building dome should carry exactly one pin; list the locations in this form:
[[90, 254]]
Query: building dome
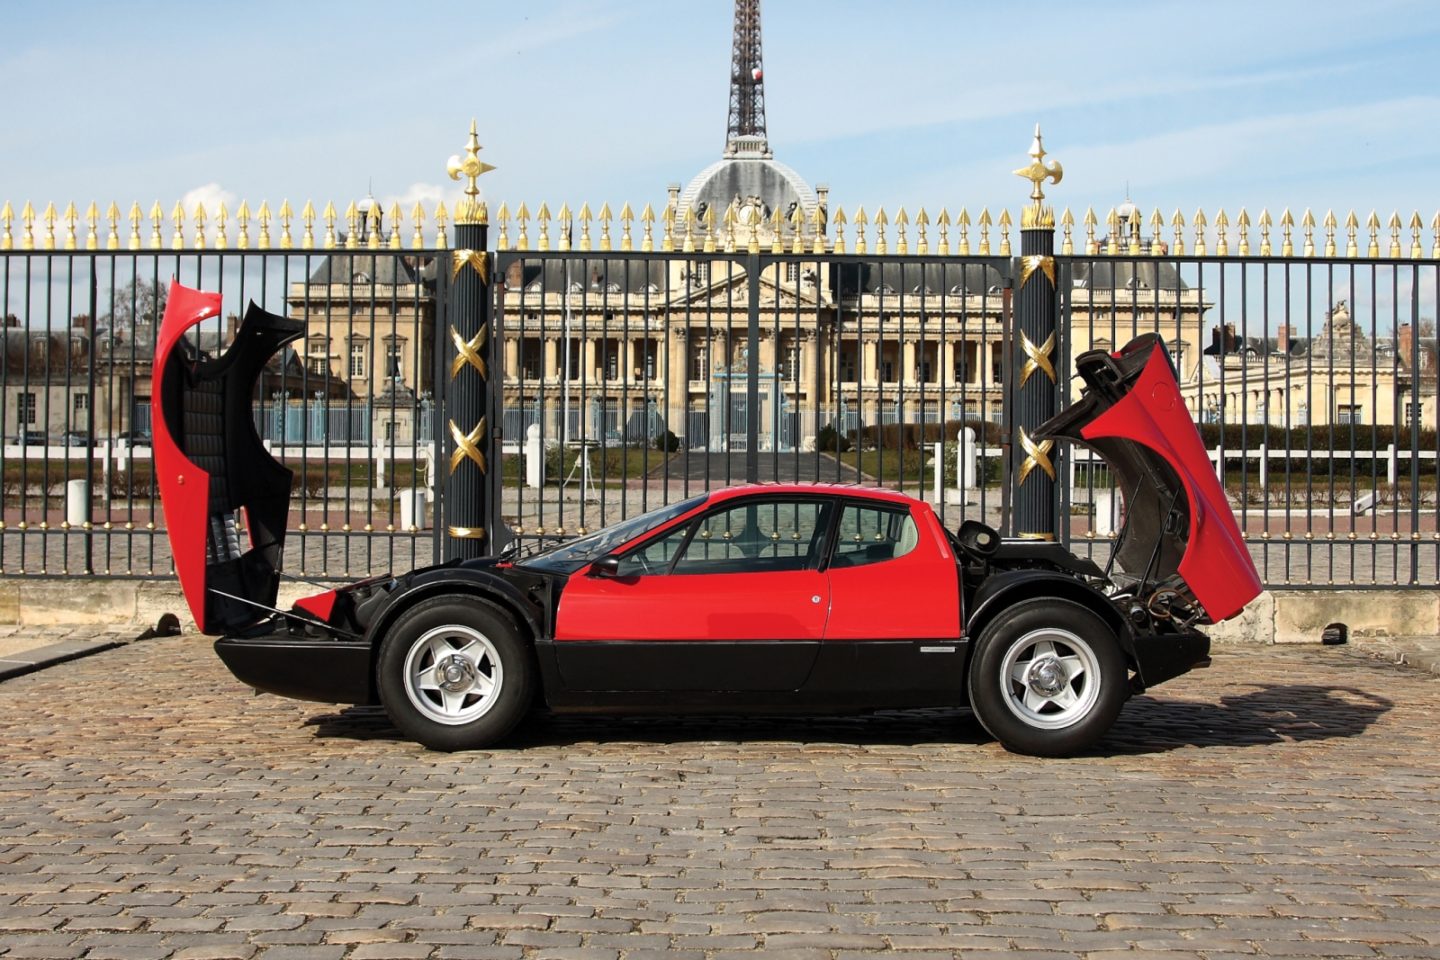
[[749, 183]]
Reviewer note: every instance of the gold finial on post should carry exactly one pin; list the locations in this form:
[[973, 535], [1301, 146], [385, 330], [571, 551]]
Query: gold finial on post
[[397, 217], [263, 215], [1330, 224], [352, 227], [1394, 225], [112, 218], [417, 235], [72, 216], [177, 216], [135, 218], [962, 246], [1177, 222], [647, 222], [984, 223], [860, 221], [1067, 224], [49, 217], [442, 240], [1092, 246], [881, 221], [503, 215], [27, 219], [329, 214], [157, 216], [7, 216], [943, 221], [606, 215], [287, 213], [1004, 223], [470, 210], [199, 216], [922, 242], [1307, 224], [627, 217], [1037, 215], [242, 219], [307, 217], [1199, 223], [221, 215]]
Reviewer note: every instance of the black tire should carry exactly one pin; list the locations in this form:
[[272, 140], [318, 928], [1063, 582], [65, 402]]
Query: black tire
[[1047, 678], [489, 677]]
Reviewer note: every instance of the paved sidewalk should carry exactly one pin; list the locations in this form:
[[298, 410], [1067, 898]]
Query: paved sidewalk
[[1282, 803]]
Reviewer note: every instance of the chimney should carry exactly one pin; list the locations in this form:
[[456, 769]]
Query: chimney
[[1405, 343], [79, 323], [232, 324], [11, 320], [1283, 335], [673, 202], [1230, 341]]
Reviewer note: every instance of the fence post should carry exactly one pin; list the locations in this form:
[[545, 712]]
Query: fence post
[[1036, 391], [471, 442]]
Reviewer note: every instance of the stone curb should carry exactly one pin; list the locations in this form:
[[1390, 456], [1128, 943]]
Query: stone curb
[[18, 665]]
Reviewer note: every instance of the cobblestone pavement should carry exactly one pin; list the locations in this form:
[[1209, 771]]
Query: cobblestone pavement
[[1283, 803]]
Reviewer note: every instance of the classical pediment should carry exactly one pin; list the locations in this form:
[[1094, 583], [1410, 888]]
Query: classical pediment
[[733, 293]]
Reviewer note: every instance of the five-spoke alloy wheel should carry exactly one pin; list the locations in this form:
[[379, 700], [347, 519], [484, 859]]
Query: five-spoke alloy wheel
[[454, 674], [1047, 678]]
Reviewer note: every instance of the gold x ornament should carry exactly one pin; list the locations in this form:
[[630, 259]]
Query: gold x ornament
[[1028, 265], [467, 445], [459, 259], [467, 351], [1036, 455], [1037, 358]]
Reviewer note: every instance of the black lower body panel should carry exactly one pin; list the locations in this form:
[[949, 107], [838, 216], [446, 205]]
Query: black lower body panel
[[752, 677], [329, 671], [1165, 656]]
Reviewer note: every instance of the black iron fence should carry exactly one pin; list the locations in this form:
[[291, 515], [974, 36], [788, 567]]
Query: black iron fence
[[350, 407], [631, 378]]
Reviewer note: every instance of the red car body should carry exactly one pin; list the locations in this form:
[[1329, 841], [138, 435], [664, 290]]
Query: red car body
[[806, 597]]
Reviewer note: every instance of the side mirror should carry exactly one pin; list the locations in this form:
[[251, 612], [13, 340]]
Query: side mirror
[[606, 567]]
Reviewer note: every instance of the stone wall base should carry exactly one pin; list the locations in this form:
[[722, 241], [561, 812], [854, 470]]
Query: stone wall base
[[1281, 616]]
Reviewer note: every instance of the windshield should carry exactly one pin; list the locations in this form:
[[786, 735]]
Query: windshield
[[574, 554]]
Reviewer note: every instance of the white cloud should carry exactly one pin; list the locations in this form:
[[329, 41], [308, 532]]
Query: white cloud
[[427, 195], [211, 195]]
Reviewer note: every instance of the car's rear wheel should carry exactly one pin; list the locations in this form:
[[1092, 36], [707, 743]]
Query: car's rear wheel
[[1047, 678], [454, 673]]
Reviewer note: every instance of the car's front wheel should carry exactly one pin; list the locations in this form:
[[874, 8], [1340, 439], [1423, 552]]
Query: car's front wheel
[[454, 673], [1047, 678]]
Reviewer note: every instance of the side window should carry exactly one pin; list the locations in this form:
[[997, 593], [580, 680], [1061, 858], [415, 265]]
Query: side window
[[756, 537], [873, 535], [655, 556]]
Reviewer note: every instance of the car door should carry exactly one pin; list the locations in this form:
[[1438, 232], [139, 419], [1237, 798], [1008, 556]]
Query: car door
[[893, 636], [732, 601]]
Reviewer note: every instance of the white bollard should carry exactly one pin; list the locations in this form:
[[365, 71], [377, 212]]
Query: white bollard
[[77, 502], [937, 458], [1106, 516], [534, 458], [1264, 467], [413, 509], [965, 454], [1392, 465]]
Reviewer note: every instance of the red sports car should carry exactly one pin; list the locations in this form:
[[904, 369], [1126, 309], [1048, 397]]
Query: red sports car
[[803, 598]]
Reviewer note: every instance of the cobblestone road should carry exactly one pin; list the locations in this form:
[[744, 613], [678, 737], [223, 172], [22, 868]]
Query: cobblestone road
[[1284, 803]]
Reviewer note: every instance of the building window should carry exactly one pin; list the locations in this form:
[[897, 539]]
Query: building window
[[1351, 413], [612, 360], [529, 359], [790, 365], [848, 354], [698, 357], [319, 366], [359, 356], [25, 410], [792, 273], [1412, 413], [699, 274], [395, 358], [81, 402]]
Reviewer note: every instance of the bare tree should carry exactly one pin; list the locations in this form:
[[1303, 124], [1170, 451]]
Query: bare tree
[[138, 303]]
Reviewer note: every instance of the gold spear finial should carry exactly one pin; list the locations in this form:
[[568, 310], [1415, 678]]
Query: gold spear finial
[[242, 222], [470, 210], [396, 217], [307, 217], [417, 217], [71, 216], [287, 213], [49, 216], [7, 216], [222, 214], [1037, 172]]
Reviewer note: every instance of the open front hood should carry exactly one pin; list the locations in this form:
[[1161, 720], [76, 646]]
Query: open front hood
[[215, 475], [1179, 533]]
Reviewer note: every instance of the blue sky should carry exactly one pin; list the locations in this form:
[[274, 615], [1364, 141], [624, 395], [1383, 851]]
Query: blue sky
[[906, 102]]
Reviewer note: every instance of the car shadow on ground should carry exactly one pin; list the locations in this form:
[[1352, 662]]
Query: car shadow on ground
[[1264, 714]]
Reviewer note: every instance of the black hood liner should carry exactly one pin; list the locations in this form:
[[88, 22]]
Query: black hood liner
[[207, 405]]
